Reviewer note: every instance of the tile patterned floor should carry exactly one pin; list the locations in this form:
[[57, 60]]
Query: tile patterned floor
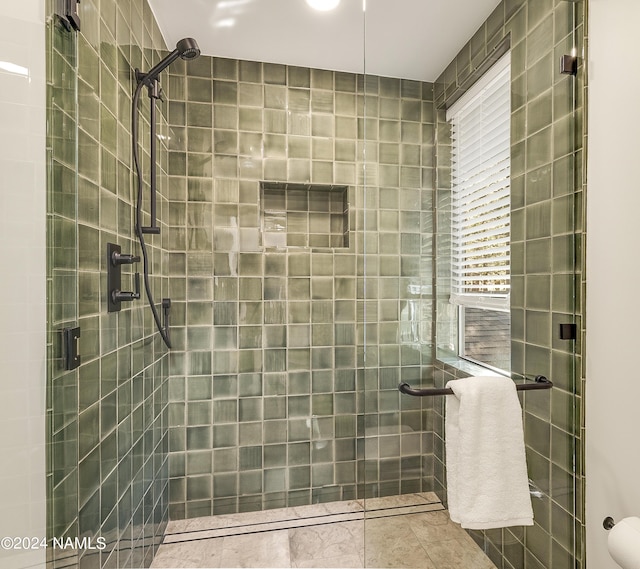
[[410, 531]]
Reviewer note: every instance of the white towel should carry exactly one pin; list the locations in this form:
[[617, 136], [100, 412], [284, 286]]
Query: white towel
[[487, 484]]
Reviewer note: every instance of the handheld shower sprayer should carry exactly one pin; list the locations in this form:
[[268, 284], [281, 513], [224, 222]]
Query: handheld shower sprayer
[[186, 49]]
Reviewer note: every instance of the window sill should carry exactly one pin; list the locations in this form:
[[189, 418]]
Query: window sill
[[465, 368]]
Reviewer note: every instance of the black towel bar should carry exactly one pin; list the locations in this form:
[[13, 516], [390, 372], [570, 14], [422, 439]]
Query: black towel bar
[[539, 382]]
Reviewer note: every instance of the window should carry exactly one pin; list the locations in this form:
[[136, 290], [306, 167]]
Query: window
[[480, 223]]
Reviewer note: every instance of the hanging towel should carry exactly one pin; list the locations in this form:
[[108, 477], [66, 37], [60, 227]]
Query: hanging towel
[[487, 485]]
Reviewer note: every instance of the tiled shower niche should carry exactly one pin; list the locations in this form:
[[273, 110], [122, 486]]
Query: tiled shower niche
[[304, 215]]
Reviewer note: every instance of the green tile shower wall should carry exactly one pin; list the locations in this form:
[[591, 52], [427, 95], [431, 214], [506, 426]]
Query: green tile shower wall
[[547, 225], [272, 401], [108, 437]]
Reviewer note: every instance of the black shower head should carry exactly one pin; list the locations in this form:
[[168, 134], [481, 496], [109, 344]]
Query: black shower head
[[186, 48]]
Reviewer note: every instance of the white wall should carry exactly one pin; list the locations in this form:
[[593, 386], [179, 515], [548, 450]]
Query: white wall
[[613, 272], [22, 280]]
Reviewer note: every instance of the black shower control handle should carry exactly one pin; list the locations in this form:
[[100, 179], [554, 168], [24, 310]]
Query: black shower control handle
[[118, 258], [115, 295], [128, 296]]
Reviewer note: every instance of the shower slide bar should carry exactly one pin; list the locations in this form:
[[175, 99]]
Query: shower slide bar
[[539, 382]]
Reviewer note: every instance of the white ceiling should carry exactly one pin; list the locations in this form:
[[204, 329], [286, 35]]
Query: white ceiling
[[411, 39]]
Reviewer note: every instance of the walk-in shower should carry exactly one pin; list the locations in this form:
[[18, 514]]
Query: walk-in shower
[[306, 212]]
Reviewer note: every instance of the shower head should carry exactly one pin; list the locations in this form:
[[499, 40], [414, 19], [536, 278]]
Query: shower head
[[186, 48]]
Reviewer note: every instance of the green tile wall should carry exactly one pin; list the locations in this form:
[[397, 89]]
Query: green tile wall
[[272, 401], [547, 226], [107, 420]]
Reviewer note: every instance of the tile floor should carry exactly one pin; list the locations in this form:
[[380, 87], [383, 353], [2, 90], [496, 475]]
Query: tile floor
[[410, 531]]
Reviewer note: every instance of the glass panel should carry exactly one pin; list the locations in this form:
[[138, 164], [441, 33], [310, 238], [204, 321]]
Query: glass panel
[[107, 419], [62, 280], [416, 335]]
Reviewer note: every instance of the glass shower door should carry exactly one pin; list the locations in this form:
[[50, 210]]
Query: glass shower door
[[411, 329]]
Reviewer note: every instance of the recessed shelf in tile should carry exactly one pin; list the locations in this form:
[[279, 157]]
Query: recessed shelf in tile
[[304, 215]]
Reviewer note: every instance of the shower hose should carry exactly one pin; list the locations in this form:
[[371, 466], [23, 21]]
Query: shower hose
[[164, 332]]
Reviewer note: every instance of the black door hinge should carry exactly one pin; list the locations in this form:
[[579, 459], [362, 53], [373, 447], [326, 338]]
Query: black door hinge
[[70, 342], [68, 13], [568, 332]]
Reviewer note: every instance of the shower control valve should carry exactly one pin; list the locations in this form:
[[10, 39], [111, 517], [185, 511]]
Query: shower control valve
[[118, 258], [124, 296], [115, 260]]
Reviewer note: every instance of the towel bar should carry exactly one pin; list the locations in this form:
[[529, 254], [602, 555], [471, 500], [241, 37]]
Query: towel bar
[[539, 382]]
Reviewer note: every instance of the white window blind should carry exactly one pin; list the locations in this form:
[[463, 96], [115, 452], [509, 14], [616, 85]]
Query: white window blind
[[480, 131]]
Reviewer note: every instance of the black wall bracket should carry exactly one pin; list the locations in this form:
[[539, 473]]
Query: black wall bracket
[[115, 260], [568, 332], [569, 65], [67, 11], [70, 343]]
